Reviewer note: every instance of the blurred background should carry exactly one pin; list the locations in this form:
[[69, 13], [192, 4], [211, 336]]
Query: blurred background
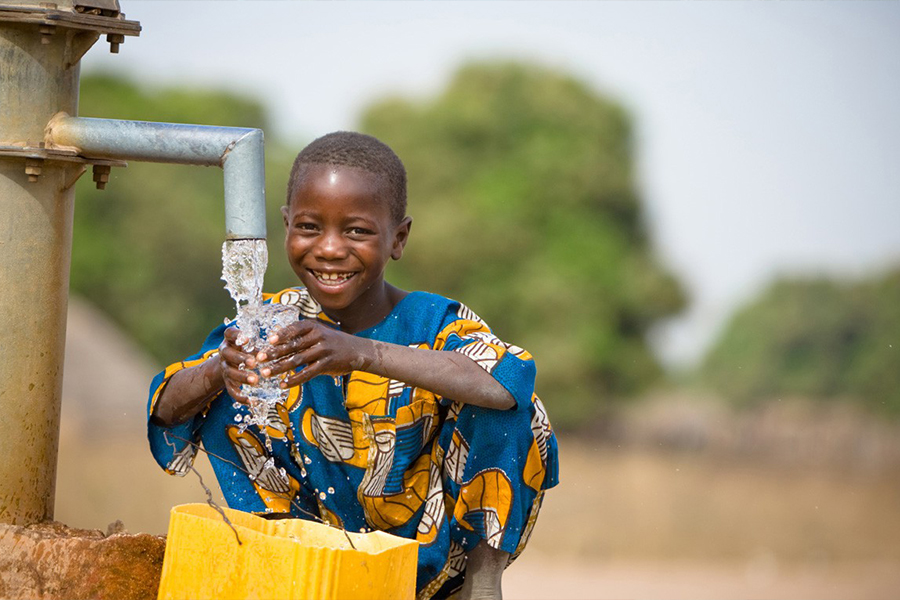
[[688, 212]]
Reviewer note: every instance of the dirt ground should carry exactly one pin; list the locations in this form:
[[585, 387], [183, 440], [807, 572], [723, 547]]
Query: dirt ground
[[672, 525], [538, 577], [661, 505]]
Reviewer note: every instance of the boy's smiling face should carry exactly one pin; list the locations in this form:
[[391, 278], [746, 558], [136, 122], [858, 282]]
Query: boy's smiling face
[[339, 236]]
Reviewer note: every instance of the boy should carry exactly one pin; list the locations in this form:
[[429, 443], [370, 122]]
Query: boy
[[404, 412]]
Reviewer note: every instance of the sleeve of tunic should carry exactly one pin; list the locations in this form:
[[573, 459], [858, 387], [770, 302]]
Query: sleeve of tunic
[[513, 367], [175, 447]]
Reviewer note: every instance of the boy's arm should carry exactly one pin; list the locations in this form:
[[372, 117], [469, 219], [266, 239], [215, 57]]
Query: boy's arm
[[448, 374], [190, 390], [327, 351]]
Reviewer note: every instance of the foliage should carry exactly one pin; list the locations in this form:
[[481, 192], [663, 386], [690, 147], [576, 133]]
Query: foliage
[[819, 338], [525, 208], [521, 185], [147, 249]]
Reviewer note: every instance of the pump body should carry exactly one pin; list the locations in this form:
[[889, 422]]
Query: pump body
[[44, 149]]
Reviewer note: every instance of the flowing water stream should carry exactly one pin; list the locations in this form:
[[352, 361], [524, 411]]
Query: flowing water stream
[[243, 268]]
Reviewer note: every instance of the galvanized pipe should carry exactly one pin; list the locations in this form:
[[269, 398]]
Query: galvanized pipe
[[238, 151]]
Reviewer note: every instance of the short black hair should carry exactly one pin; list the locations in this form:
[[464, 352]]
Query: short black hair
[[352, 149]]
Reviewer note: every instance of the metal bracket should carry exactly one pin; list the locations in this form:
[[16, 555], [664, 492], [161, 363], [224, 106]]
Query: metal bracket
[[35, 157], [51, 15]]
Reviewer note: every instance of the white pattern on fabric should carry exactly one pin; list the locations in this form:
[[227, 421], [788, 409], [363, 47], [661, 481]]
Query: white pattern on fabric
[[484, 356], [455, 461], [334, 437], [434, 502], [383, 446], [182, 461]]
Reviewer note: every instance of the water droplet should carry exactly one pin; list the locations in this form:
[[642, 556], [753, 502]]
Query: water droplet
[[331, 490], [322, 496], [302, 472], [238, 418], [362, 529], [307, 460]]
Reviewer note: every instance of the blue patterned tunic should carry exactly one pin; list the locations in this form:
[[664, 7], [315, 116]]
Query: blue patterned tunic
[[366, 452]]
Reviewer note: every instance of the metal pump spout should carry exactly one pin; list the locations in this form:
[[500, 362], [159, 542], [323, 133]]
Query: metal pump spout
[[238, 151]]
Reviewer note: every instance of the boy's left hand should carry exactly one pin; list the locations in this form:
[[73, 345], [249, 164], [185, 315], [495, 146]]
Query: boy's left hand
[[324, 351]]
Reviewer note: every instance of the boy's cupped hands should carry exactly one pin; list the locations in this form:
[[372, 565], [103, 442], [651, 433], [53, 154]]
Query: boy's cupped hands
[[319, 349]]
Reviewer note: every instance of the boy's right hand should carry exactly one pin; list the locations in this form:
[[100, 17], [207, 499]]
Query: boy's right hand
[[235, 365]]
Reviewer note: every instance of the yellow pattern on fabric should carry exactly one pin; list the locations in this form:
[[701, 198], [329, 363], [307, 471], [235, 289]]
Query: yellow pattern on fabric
[[279, 427], [460, 327], [422, 409], [295, 395], [385, 512], [534, 471], [490, 494], [368, 393]]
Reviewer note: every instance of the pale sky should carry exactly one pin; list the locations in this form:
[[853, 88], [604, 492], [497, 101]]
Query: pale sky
[[768, 134]]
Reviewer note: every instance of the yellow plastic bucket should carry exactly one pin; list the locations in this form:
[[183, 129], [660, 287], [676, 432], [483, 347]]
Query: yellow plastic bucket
[[280, 559]]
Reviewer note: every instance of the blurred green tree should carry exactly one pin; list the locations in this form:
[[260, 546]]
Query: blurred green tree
[[147, 249], [816, 338], [521, 184]]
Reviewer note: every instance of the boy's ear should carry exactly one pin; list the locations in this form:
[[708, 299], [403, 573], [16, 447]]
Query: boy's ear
[[284, 214], [401, 236]]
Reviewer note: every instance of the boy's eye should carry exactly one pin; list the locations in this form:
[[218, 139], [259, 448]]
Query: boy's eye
[[360, 231], [306, 226]]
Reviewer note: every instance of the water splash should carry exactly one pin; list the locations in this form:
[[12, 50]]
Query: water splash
[[243, 268]]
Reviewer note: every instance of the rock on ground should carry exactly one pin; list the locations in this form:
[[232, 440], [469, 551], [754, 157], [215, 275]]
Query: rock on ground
[[50, 561]]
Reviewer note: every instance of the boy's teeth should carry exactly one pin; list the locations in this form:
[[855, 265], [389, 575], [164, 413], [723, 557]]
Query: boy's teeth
[[332, 276]]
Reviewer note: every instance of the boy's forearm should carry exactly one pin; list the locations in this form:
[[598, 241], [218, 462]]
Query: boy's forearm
[[448, 374], [188, 392]]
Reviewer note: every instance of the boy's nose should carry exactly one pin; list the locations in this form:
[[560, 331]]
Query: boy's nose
[[331, 247]]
